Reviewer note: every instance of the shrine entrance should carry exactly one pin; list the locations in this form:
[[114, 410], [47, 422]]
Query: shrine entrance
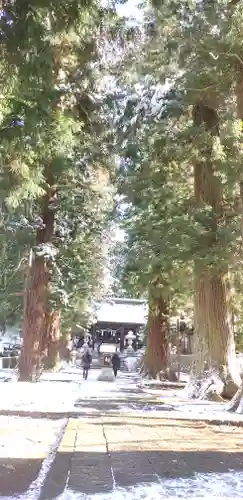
[[115, 318]]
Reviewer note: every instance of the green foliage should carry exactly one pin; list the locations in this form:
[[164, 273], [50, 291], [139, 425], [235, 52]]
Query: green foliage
[[56, 110], [190, 54], [53, 118]]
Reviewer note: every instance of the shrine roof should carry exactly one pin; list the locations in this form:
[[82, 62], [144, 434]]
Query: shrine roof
[[122, 311]]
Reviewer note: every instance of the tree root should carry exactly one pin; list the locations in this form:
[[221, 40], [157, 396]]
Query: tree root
[[168, 374], [236, 404], [207, 386]]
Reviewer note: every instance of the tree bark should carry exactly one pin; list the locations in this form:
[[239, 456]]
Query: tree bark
[[33, 321], [156, 355], [213, 337], [239, 100], [53, 335], [214, 345], [236, 404], [36, 307]]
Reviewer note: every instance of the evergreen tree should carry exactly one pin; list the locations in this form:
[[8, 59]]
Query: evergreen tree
[[156, 197], [189, 46], [201, 56], [50, 129]]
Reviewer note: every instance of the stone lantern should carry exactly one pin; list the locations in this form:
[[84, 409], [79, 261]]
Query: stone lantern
[[106, 374], [130, 338]]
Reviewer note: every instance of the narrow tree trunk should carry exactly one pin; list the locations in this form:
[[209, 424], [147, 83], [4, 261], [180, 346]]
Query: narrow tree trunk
[[64, 345], [53, 334], [156, 356], [213, 338]]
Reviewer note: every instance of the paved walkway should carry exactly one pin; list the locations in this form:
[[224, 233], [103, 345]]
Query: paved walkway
[[114, 447], [110, 450]]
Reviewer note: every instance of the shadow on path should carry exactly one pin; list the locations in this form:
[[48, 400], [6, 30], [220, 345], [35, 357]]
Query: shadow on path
[[116, 405], [17, 474], [94, 472]]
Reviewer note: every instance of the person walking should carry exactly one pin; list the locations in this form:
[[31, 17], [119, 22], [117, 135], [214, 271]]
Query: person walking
[[116, 363], [86, 361]]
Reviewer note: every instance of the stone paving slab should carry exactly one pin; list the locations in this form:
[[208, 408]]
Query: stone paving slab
[[146, 448], [177, 435], [82, 462], [90, 463], [24, 444], [98, 454]]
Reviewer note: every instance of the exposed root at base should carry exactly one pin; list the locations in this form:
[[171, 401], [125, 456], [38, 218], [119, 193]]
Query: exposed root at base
[[207, 386], [236, 404], [164, 375]]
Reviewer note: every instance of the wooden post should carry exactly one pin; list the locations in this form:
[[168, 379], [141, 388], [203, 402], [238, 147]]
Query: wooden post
[[122, 339]]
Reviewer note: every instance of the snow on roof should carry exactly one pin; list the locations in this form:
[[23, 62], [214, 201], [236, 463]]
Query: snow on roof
[[122, 311]]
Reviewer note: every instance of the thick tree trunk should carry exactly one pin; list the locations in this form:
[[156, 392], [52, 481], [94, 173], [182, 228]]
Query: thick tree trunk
[[53, 335], [34, 320], [236, 404], [214, 345], [213, 338], [37, 291], [239, 99], [156, 356]]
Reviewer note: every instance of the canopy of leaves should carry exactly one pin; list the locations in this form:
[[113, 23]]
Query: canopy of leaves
[[53, 113], [191, 53]]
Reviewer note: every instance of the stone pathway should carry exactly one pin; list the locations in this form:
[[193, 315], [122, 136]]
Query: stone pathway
[[101, 454], [114, 445]]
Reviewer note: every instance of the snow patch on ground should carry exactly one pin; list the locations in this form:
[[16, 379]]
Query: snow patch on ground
[[35, 489], [26, 439], [227, 486], [42, 397], [59, 393], [187, 410], [59, 396], [209, 411]]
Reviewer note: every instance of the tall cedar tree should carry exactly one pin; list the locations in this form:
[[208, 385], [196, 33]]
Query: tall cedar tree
[[154, 193], [199, 57], [196, 48], [47, 51]]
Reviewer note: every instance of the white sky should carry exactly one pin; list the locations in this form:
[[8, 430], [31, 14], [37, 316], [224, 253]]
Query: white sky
[[130, 9]]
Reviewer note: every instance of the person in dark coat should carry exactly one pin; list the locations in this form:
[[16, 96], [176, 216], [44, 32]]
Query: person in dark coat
[[80, 342], [86, 361], [116, 363]]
